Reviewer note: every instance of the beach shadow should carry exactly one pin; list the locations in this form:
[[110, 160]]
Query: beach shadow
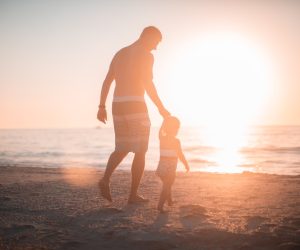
[[192, 216], [131, 208], [96, 217], [161, 220]]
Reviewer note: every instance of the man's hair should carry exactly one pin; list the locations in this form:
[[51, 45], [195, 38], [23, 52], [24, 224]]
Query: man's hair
[[151, 31]]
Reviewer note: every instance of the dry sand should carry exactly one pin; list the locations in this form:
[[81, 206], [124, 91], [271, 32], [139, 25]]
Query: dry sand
[[62, 209]]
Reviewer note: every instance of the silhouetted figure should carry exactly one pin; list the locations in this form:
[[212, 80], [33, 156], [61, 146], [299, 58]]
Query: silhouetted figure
[[131, 68], [170, 151]]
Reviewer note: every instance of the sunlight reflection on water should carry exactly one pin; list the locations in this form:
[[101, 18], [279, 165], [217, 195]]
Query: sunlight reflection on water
[[272, 149], [228, 141]]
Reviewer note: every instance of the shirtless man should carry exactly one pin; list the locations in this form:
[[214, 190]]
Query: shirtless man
[[131, 68]]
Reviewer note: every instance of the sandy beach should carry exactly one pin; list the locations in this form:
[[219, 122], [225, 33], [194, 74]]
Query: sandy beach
[[44, 208]]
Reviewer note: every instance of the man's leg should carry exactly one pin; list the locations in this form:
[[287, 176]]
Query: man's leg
[[137, 170], [113, 161]]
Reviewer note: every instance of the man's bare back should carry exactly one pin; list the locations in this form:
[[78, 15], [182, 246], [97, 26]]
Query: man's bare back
[[132, 67]]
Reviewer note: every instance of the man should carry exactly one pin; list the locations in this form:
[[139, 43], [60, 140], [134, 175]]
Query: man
[[131, 68]]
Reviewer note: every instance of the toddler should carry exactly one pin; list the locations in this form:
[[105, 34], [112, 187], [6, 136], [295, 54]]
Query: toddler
[[170, 151]]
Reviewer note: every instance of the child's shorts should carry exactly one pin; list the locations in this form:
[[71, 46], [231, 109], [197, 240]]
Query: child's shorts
[[166, 167]]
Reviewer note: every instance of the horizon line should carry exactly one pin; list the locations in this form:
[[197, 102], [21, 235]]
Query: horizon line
[[154, 126]]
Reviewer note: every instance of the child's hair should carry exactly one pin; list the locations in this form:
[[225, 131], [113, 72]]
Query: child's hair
[[170, 126]]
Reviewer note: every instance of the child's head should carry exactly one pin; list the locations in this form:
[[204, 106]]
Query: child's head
[[170, 126]]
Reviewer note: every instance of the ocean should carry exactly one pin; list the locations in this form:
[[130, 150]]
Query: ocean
[[262, 149]]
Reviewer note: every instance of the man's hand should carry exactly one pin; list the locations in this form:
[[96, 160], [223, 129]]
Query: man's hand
[[102, 116], [164, 113]]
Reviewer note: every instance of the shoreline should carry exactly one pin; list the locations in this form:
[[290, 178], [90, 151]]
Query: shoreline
[[61, 208], [121, 168]]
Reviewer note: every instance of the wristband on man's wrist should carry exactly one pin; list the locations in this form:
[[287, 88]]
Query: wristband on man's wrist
[[101, 106]]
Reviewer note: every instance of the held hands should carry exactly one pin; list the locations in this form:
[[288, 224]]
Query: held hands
[[101, 115]]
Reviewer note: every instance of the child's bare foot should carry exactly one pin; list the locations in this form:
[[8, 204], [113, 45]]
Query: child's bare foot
[[137, 199], [105, 190]]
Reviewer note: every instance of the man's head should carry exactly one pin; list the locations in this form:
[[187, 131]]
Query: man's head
[[150, 37]]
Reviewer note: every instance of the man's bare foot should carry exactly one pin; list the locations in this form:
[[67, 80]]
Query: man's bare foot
[[105, 190], [171, 203], [137, 199], [161, 210]]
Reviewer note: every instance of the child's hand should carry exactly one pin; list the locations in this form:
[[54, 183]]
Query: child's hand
[[187, 167]]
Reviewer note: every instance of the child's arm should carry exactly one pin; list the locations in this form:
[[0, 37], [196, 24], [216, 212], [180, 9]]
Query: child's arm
[[182, 157]]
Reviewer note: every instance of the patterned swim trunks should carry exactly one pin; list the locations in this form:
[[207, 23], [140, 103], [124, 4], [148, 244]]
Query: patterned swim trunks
[[131, 124]]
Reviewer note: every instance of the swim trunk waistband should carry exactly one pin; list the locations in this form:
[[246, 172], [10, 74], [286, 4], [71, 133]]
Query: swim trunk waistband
[[128, 99]]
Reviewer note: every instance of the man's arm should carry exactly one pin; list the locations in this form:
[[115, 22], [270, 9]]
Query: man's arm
[[152, 93], [151, 90], [102, 115]]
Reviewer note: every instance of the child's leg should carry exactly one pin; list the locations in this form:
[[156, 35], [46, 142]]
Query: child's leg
[[165, 193], [170, 200], [163, 196]]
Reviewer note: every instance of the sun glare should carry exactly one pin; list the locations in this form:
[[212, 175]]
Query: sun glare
[[223, 81], [220, 78]]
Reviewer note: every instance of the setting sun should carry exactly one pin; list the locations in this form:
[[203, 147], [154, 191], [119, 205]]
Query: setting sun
[[224, 76]]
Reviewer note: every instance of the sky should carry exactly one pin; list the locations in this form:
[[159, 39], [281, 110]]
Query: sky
[[218, 60]]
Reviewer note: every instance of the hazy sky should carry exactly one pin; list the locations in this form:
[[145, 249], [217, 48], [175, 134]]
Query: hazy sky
[[54, 56]]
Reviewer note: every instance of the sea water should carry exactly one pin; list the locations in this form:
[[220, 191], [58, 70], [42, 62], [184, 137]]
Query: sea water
[[263, 149]]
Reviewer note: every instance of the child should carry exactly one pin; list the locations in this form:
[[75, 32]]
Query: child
[[170, 151]]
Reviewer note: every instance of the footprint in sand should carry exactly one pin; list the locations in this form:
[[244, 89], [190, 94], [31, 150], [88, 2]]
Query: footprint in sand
[[193, 216], [254, 222]]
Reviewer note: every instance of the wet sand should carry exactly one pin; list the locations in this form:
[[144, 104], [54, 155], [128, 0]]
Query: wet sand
[[43, 208]]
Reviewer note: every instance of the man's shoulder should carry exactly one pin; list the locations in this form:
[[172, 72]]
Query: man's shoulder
[[121, 51], [135, 51], [118, 55]]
